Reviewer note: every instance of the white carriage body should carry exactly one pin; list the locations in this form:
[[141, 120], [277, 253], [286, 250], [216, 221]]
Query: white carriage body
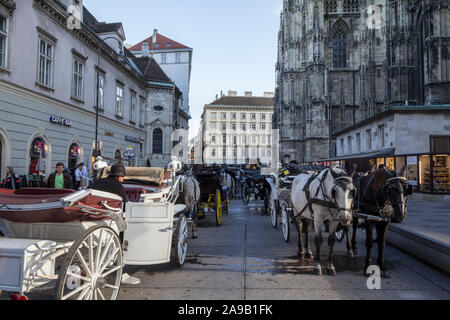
[[29, 250]]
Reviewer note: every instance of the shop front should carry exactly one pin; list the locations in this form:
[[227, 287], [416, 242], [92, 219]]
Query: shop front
[[427, 173]]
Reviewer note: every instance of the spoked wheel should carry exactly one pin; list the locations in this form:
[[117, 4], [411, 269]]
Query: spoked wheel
[[180, 239], [272, 212], [93, 267], [245, 194], [218, 207], [339, 233], [285, 223]]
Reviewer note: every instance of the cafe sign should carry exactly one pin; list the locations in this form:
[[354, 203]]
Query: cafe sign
[[60, 121], [132, 139]]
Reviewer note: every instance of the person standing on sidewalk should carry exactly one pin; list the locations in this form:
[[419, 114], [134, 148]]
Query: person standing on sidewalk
[[79, 176], [11, 180], [60, 179]]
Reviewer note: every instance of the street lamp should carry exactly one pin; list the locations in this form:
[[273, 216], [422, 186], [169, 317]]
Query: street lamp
[[121, 58]]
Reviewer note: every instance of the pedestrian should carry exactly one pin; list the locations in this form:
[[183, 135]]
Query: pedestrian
[[60, 179], [79, 176], [11, 180]]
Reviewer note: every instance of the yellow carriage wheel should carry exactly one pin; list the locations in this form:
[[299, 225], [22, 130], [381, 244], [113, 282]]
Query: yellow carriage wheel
[[218, 207]]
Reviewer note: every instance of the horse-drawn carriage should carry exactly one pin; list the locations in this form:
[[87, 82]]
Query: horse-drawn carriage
[[81, 240], [213, 195], [253, 185], [279, 204]]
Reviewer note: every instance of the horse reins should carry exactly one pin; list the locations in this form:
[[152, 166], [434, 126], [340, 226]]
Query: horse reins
[[326, 202]]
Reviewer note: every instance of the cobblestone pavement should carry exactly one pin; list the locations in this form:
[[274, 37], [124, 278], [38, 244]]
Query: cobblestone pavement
[[245, 258]]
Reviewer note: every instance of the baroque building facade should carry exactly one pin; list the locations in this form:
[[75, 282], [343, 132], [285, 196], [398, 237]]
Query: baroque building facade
[[343, 61]]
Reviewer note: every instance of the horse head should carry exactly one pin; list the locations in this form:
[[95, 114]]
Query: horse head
[[393, 189], [343, 192]]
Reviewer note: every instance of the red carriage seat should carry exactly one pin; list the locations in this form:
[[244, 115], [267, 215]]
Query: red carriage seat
[[134, 194]]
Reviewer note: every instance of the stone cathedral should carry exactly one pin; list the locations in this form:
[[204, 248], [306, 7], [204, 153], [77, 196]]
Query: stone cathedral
[[343, 61]]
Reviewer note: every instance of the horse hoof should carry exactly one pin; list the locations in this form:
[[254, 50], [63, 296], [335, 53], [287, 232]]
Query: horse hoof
[[317, 271], [355, 251], [350, 254], [385, 274], [309, 255], [331, 272], [301, 254]]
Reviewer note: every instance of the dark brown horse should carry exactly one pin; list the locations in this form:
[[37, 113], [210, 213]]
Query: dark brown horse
[[382, 194]]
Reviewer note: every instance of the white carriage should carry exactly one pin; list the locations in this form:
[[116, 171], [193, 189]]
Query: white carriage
[[85, 257], [279, 204]]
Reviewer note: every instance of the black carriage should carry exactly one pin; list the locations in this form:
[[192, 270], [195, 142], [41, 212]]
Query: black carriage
[[213, 196]]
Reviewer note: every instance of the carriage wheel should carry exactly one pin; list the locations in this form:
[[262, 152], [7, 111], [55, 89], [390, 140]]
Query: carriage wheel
[[93, 267], [339, 233], [218, 207], [271, 208], [180, 240], [285, 223], [245, 194]]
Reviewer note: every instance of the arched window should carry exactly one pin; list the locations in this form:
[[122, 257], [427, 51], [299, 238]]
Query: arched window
[[157, 141], [340, 45]]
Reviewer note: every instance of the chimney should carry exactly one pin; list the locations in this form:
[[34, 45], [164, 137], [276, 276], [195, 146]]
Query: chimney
[[155, 31], [217, 96], [145, 50], [269, 94], [232, 93], [221, 93], [248, 93]]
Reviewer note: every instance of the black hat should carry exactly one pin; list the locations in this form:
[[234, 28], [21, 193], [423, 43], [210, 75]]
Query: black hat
[[117, 170]]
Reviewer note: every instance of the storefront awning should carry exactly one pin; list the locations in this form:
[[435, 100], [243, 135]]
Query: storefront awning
[[376, 154]]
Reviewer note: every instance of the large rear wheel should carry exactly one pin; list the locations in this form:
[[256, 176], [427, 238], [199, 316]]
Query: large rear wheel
[[285, 223], [93, 267], [218, 207], [181, 240], [272, 211]]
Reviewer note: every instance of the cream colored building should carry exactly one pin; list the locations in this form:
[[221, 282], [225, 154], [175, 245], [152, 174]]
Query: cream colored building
[[238, 129]]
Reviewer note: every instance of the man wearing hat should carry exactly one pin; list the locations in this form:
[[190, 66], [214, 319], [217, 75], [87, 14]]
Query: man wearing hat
[[113, 184]]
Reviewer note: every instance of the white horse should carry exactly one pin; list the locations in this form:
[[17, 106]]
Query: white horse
[[228, 181], [317, 197], [190, 194]]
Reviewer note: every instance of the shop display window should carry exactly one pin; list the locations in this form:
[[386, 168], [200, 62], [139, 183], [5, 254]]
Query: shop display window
[[390, 163], [441, 173], [400, 162], [424, 173], [380, 161], [38, 153]]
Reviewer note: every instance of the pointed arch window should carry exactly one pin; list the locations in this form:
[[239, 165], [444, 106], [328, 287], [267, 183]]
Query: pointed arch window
[[157, 141], [340, 45]]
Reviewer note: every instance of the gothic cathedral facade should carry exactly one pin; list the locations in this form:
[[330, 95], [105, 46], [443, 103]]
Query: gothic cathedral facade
[[343, 61]]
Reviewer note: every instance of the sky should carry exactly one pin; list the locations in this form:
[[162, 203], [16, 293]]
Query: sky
[[234, 42]]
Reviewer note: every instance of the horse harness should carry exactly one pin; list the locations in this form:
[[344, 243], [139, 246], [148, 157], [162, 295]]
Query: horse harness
[[379, 210], [340, 181]]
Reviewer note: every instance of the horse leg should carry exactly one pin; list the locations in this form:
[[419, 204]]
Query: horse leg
[[308, 253], [318, 242], [301, 251], [381, 237], [347, 237], [355, 228], [369, 244], [331, 241]]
